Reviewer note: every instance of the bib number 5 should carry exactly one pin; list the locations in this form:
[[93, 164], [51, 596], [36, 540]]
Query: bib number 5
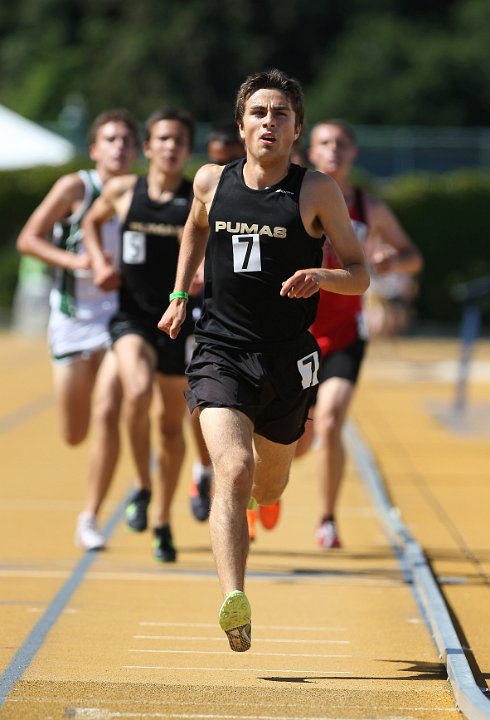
[[134, 247]]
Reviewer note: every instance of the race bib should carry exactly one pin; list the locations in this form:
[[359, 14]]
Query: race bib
[[246, 253], [134, 247], [308, 367]]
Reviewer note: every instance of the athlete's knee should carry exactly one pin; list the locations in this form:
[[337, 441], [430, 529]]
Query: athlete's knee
[[329, 426], [172, 440], [267, 495], [74, 435], [268, 499], [137, 396], [233, 479], [106, 411], [267, 489]]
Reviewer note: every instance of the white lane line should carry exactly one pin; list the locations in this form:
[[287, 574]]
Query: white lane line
[[36, 574], [104, 714], [206, 668], [219, 638], [299, 628], [218, 652], [190, 576]]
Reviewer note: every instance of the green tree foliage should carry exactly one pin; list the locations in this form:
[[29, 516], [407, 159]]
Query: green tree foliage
[[372, 61], [144, 54], [446, 217], [392, 69]]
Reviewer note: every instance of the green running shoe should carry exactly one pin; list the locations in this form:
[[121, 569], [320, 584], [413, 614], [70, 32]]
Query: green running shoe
[[235, 619], [163, 544], [137, 510]]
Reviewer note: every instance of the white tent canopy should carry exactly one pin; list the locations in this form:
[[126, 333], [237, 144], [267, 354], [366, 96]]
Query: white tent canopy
[[24, 144]]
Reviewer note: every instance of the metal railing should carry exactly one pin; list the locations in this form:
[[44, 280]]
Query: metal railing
[[385, 150], [469, 294]]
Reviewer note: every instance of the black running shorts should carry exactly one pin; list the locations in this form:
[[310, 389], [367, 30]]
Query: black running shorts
[[274, 389], [345, 363], [172, 355]]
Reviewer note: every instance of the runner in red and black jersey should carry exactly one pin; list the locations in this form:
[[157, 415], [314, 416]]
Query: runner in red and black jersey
[[340, 327]]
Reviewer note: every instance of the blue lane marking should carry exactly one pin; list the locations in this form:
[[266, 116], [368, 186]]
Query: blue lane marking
[[470, 698], [24, 413], [24, 656]]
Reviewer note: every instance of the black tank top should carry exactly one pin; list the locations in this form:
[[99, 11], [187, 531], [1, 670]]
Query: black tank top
[[150, 249], [256, 241]]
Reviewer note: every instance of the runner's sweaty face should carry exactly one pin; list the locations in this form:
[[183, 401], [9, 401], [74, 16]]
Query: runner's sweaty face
[[269, 124], [114, 149], [331, 150], [168, 147]]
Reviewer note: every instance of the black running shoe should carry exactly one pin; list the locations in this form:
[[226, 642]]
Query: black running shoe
[[137, 510], [200, 495], [163, 545]]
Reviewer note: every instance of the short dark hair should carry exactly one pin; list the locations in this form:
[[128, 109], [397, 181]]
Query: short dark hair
[[171, 113], [224, 132], [346, 128], [276, 80], [114, 115]]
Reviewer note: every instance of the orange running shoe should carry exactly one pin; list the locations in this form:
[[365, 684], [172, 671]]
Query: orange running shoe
[[251, 518], [269, 515]]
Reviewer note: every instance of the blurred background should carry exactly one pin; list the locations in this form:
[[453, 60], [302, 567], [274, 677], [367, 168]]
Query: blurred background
[[412, 76]]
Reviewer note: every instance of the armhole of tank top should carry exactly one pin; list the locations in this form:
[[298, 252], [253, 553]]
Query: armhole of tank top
[[218, 187], [95, 182], [140, 189], [185, 188], [140, 186], [87, 199], [301, 174]]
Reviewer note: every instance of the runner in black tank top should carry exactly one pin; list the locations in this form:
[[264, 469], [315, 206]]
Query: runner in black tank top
[[259, 224], [152, 211], [257, 240], [149, 250]]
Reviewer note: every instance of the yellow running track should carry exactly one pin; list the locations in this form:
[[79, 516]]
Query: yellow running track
[[336, 634]]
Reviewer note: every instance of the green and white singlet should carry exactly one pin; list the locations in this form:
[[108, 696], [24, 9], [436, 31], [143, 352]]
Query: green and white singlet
[[80, 312]]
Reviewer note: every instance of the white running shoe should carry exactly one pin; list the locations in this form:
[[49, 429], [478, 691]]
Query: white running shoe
[[327, 535], [87, 535]]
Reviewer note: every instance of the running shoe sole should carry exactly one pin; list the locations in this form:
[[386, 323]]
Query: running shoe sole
[[235, 619], [90, 547]]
